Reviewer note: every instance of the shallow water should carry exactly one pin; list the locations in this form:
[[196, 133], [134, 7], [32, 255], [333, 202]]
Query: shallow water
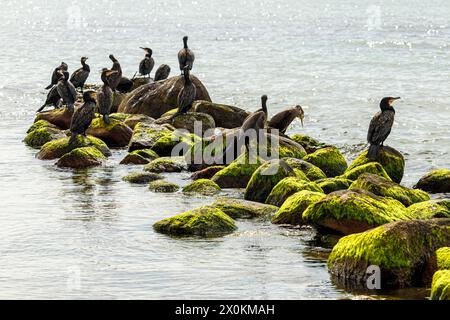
[[87, 234]]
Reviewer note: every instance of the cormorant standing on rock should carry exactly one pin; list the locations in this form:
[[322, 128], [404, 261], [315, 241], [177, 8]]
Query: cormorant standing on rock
[[283, 119], [185, 56], [53, 99], [147, 64], [66, 90], [105, 95], [380, 126], [187, 94], [63, 66], [80, 75], [115, 79], [83, 116], [162, 72]]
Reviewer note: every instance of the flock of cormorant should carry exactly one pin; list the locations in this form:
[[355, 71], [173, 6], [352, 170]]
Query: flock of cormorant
[[63, 91]]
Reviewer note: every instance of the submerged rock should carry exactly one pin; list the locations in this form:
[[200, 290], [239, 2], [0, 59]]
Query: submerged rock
[[291, 211], [435, 181], [440, 287], [329, 185], [206, 173], [430, 209], [287, 187], [329, 159], [371, 167], [57, 148], [59, 117], [311, 171], [202, 186], [163, 186], [311, 145], [116, 134], [206, 221], [223, 115], [244, 209], [166, 164], [81, 158], [142, 177], [40, 136], [142, 156], [188, 120]]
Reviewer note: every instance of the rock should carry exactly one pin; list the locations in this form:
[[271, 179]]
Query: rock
[[238, 173], [116, 134], [81, 158], [440, 287], [386, 188], [187, 121], [223, 115], [430, 209], [311, 145], [292, 209], [40, 136], [329, 159], [287, 187], [118, 97], [289, 149], [59, 117], [371, 167], [140, 81], [435, 181], [166, 164], [391, 160], [142, 177], [265, 178], [311, 171], [205, 221], [122, 117], [163, 186], [204, 187], [400, 249], [206, 173], [142, 156], [244, 209], [352, 211], [145, 135], [42, 124], [57, 148], [443, 258], [134, 119], [171, 112], [155, 99], [329, 185]]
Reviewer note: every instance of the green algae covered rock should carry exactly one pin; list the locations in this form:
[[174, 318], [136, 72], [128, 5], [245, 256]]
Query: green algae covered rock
[[391, 160], [40, 136], [58, 117], [329, 185], [224, 116], [146, 134], [142, 177], [287, 187], [385, 188], [57, 148], [115, 134], [188, 121], [244, 209], [430, 209], [435, 181], [329, 159], [163, 186], [312, 172], [311, 145], [42, 124], [440, 287], [81, 158], [292, 209], [238, 173], [443, 258], [133, 119], [400, 249], [206, 221], [371, 167], [265, 178], [351, 211], [141, 156], [202, 186], [166, 164]]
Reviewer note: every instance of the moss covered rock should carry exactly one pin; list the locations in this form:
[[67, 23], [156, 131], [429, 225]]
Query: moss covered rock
[[188, 120], [287, 187], [224, 116], [206, 221], [244, 209], [142, 177], [57, 148], [311, 171], [40, 136], [329, 185], [59, 117], [440, 287], [81, 158], [146, 134], [166, 164], [435, 181], [41, 124], [385, 188], [443, 258], [391, 160], [400, 249], [202, 186], [133, 119], [372, 167], [329, 159], [311, 145], [163, 186], [291, 211], [351, 211], [238, 173], [142, 156], [430, 209], [115, 134]]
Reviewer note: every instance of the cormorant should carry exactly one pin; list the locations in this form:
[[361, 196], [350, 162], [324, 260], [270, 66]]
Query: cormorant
[[185, 56], [380, 126], [283, 119], [146, 65], [83, 116], [105, 95], [53, 99], [162, 72], [187, 94], [80, 75], [125, 85], [63, 66], [115, 79], [66, 90]]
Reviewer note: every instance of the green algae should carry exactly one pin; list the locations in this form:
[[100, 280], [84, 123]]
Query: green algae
[[310, 144], [371, 167], [203, 187], [435, 181], [311, 171], [142, 177], [292, 209], [287, 187], [329, 185], [163, 186], [244, 209], [329, 159], [81, 158], [440, 287], [57, 148], [443, 258]]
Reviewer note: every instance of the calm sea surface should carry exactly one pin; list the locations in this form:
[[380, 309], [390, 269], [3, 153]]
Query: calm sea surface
[[87, 234]]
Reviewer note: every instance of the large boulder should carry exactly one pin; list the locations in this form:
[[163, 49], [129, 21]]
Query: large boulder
[[287, 187], [166, 164], [204, 187], [238, 173], [352, 211], [188, 121], [224, 116], [133, 119], [81, 158], [244, 209], [435, 181], [115, 134], [59, 117], [385, 188], [163, 186], [291, 211], [154, 99], [400, 249], [311, 171], [329, 185], [57, 148], [141, 156], [371, 167], [206, 221], [311, 145], [329, 159], [430, 209], [41, 135], [391, 160], [440, 287], [142, 177]]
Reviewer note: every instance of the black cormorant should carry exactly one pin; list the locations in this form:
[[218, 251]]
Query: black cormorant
[[162, 72], [66, 90], [283, 119], [187, 94], [115, 79], [125, 85], [80, 75], [146, 65], [380, 126], [83, 116], [63, 66], [105, 95], [53, 99], [185, 56]]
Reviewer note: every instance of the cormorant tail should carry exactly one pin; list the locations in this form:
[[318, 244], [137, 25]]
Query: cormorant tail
[[106, 118], [373, 152], [41, 108], [49, 86], [73, 138]]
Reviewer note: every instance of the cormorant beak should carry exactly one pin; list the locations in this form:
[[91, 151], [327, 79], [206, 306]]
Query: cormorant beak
[[301, 117], [393, 99]]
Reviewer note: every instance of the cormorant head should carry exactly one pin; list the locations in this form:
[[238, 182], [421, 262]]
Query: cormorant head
[[300, 113], [64, 66], [112, 58], [61, 74], [263, 103], [83, 59], [148, 50], [185, 39], [89, 96], [386, 102]]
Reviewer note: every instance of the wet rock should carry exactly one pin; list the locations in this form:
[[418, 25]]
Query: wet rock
[[142, 177], [311, 171], [371, 167], [292, 209], [163, 186], [145, 135], [352, 211], [187, 121], [435, 181], [400, 249], [206, 173], [134, 119], [329, 185], [385, 188], [40, 136], [244, 209], [287, 187], [166, 164], [223, 115], [59, 117], [329, 159], [440, 287], [202, 186], [142, 156], [116, 134], [81, 158], [205, 221], [57, 148], [430, 209], [311, 145]]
